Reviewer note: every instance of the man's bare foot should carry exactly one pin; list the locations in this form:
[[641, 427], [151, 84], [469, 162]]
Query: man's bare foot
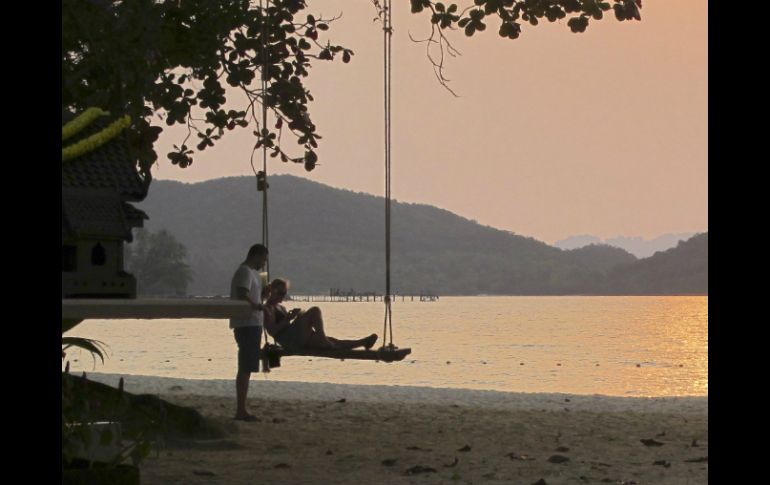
[[370, 341], [246, 417]]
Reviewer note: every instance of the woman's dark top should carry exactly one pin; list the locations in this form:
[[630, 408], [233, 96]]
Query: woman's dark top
[[290, 336], [280, 315]]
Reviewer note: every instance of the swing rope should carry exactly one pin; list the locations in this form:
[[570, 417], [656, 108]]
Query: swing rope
[[265, 32], [387, 30], [261, 176], [393, 353], [263, 182]]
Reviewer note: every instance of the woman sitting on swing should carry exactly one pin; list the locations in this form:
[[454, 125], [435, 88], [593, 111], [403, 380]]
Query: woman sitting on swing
[[296, 330]]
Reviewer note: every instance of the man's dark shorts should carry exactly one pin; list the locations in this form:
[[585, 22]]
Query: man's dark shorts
[[249, 340]]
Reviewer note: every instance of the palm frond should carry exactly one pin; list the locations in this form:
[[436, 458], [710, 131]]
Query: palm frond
[[95, 347]]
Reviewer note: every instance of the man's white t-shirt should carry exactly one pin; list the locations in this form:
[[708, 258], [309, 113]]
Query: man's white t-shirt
[[245, 277]]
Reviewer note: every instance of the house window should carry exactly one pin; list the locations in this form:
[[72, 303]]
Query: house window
[[98, 255], [69, 258]]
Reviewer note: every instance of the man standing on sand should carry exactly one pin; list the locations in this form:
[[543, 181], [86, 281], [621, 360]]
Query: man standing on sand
[[248, 331]]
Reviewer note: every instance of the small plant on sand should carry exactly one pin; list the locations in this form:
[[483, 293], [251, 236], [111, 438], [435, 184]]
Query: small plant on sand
[[80, 408]]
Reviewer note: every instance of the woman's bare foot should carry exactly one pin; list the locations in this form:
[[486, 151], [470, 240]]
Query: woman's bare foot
[[370, 341]]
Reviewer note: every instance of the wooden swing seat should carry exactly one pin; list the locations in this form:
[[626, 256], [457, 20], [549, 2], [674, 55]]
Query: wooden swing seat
[[385, 354]]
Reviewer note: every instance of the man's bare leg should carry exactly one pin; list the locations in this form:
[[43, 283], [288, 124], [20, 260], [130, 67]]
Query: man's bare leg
[[241, 390]]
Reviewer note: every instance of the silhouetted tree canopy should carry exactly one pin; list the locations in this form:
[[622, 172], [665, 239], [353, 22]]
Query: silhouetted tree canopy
[[509, 15], [169, 62], [159, 263]]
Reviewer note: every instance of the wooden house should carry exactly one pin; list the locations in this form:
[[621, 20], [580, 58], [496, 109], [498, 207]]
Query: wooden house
[[97, 217]]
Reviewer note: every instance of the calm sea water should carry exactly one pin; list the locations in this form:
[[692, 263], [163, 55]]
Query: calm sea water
[[621, 346]]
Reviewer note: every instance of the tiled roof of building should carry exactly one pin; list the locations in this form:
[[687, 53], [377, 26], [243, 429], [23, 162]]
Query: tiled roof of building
[[94, 214], [133, 214], [134, 217], [111, 166]]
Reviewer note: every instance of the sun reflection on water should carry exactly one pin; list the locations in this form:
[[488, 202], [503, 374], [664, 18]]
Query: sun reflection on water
[[623, 346]]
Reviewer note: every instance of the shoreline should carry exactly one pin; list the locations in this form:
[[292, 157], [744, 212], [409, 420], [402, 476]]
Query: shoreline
[[487, 399], [302, 297]]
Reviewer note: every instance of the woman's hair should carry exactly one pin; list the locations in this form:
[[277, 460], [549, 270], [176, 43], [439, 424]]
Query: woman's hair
[[279, 283]]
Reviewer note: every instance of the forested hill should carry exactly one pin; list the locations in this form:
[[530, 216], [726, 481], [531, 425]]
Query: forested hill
[[322, 237], [683, 269]]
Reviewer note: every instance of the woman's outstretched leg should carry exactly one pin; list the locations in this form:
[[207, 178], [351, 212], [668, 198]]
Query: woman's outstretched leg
[[314, 333], [367, 342]]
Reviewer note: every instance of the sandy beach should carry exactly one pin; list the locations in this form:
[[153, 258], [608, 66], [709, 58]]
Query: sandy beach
[[310, 433]]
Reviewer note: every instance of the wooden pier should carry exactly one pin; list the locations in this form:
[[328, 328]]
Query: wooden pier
[[336, 296]]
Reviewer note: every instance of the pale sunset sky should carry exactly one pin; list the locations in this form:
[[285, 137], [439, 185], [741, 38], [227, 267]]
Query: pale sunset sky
[[553, 134]]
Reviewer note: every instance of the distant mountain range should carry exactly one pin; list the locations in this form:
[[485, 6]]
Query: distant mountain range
[[638, 246], [322, 237]]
